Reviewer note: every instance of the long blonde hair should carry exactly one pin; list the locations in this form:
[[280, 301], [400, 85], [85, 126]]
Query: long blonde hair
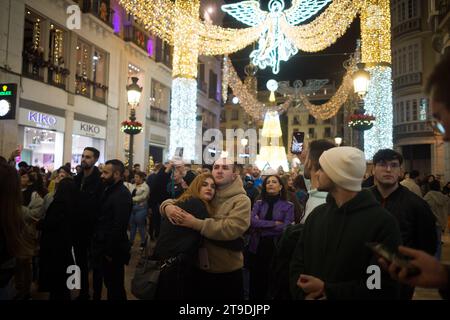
[[194, 191]]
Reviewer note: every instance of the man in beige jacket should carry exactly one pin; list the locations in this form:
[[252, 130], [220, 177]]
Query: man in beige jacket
[[220, 277]]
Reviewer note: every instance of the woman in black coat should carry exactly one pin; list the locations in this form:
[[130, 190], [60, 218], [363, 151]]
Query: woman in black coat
[[56, 241]]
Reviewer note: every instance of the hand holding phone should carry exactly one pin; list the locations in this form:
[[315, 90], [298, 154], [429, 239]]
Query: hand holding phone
[[390, 256]]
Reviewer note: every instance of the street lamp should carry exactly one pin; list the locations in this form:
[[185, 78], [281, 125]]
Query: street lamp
[[132, 127], [361, 82], [338, 141]]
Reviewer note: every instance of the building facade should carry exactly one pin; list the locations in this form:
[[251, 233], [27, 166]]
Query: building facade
[[439, 21], [72, 82], [413, 59]]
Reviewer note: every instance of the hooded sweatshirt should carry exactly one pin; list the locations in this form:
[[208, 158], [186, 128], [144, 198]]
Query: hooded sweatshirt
[[229, 221], [316, 198], [332, 247], [440, 206]]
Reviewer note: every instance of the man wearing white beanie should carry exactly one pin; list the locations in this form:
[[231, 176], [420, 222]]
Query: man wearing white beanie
[[331, 258]]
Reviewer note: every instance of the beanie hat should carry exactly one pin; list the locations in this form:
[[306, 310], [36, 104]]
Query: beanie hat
[[345, 166]]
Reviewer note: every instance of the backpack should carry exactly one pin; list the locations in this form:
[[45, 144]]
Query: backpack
[[279, 288]]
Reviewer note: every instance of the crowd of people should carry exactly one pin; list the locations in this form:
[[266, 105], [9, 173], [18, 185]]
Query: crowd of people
[[226, 231]]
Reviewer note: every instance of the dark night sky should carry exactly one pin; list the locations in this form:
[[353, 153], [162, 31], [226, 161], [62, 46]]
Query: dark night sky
[[325, 64]]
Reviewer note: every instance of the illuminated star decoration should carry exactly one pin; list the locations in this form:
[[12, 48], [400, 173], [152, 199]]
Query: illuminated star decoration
[[273, 45]]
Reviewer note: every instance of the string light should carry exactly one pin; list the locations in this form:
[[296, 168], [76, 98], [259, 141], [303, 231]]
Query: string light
[[378, 102], [186, 41], [331, 107], [37, 34], [376, 32], [273, 46], [247, 99], [183, 117], [325, 29]]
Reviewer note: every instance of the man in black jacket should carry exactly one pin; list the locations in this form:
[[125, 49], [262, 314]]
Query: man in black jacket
[[415, 218], [111, 244], [331, 259], [89, 184]]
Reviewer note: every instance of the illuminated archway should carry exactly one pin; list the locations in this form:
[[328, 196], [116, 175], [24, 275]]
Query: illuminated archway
[[179, 24]]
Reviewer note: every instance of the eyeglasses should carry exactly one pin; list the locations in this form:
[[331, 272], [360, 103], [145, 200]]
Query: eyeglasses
[[385, 165]]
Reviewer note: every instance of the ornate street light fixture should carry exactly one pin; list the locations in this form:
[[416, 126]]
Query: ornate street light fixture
[[132, 127]]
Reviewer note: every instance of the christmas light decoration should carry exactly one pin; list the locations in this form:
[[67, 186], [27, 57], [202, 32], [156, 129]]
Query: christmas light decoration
[[376, 32], [131, 127], [331, 107], [323, 31], [361, 122], [272, 155], [273, 46], [271, 127], [168, 20], [247, 99], [186, 41], [378, 102], [183, 117]]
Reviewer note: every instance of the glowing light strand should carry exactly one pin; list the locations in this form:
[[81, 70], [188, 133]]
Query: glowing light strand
[[183, 117], [248, 101], [273, 46], [378, 102]]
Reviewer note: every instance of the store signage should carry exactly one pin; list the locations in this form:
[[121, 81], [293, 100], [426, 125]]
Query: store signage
[[41, 120], [89, 129], [8, 98]]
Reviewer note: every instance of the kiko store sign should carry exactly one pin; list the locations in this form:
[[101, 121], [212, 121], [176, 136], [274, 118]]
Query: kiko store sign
[[89, 129], [37, 119]]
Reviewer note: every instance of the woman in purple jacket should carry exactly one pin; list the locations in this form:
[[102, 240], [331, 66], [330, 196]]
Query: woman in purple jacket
[[270, 216]]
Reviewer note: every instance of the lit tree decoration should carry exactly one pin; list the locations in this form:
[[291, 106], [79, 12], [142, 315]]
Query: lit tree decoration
[[273, 45]]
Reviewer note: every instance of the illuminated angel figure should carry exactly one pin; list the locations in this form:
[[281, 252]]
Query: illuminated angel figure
[[273, 46]]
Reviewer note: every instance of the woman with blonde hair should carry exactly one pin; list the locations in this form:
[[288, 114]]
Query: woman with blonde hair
[[180, 243]]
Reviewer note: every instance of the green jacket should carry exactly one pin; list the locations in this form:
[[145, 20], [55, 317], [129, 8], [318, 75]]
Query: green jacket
[[332, 247]]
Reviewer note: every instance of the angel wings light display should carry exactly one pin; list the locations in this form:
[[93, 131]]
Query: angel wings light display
[[273, 45]]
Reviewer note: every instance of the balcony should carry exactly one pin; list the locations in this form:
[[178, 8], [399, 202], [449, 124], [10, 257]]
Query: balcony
[[407, 27], [137, 36], [408, 80], [35, 67], [416, 129], [99, 9]]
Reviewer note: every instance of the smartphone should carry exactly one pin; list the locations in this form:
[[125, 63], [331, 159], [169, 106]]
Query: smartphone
[[390, 256], [179, 152], [297, 142]]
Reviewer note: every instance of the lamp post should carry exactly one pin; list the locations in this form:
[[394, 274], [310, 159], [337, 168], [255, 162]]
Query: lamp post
[[244, 143], [361, 82], [132, 128]]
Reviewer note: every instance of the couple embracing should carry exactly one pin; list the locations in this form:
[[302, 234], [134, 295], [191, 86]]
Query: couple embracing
[[203, 230]]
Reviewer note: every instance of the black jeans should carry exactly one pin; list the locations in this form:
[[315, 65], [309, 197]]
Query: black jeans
[[219, 286], [114, 277]]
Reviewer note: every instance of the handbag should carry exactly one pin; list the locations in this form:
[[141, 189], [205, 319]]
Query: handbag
[[146, 277], [145, 281]]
